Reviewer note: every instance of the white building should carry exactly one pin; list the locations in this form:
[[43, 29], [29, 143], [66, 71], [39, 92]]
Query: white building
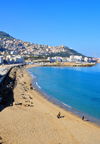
[[71, 56], [1, 59], [9, 59], [71, 59], [64, 59], [14, 59], [86, 59], [13, 52], [18, 59], [79, 58], [59, 59], [75, 58], [49, 58]]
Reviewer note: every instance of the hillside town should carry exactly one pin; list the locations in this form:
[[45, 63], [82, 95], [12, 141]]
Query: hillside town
[[16, 50], [18, 47]]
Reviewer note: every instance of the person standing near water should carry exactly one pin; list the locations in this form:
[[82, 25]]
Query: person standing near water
[[83, 118]]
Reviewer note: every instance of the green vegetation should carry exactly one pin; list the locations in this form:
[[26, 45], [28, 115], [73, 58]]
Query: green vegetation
[[34, 58], [5, 35], [25, 58], [39, 57]]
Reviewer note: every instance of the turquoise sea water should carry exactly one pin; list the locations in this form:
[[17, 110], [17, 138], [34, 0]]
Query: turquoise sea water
[[77, 87]]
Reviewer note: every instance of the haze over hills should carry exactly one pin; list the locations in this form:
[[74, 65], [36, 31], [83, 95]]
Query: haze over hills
[[43, 50]]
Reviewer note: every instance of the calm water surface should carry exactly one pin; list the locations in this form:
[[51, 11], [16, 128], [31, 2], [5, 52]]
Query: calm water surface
[[78, 87]]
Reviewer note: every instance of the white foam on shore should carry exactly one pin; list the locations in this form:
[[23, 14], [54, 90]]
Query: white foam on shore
[[38, 85], [45, 93], [66, 105], [61, 102], [31, 74]]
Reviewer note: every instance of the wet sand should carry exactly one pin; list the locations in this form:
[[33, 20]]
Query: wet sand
[[35, 120]]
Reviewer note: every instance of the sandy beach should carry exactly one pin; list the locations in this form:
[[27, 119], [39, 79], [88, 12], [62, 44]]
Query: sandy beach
[[33, 120]]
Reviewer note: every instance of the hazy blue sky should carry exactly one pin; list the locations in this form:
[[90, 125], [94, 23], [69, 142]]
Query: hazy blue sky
[[74, 23]]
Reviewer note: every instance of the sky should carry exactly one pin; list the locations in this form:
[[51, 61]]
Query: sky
[[74, 23]]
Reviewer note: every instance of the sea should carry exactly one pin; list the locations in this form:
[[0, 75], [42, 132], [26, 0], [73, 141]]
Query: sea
[[76, 89]]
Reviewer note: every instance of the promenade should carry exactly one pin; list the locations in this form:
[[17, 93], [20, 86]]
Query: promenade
[[3, 70]]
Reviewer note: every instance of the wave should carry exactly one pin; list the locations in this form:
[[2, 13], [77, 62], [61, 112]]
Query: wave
[[31, 74], [66, 105], [60, 102], [38, 85]]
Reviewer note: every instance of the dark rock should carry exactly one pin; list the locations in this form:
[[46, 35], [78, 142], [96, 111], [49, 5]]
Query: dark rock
[[11, 104], [31, 106], [26, 101], [26, 105], [17, 103], [23, 97], [31, 87], [0, 138], [30, 97]]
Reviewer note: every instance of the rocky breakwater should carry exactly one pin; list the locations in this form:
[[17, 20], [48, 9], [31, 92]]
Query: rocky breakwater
[[6, 88]]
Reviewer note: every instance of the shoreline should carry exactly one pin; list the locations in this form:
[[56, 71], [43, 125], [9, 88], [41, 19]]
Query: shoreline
[[35, 120], [62, 105]]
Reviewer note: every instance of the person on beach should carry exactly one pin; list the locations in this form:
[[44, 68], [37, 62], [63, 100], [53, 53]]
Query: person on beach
[[58, 115], [82, 118]]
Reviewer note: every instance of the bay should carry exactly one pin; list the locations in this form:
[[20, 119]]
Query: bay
[[76, 87]]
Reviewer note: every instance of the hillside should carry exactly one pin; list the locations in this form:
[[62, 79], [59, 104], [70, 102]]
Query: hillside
[[67, 53], [5, 35], [36, 49]]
